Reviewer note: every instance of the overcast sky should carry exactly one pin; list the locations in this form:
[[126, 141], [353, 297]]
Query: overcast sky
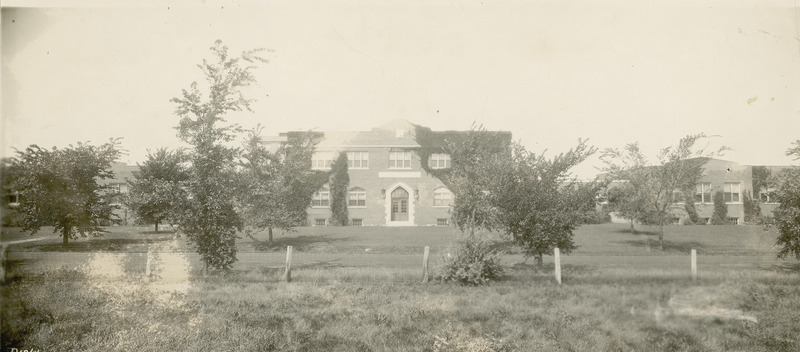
[[550, 72]]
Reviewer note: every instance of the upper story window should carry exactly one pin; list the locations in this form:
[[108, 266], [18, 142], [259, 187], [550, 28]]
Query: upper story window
[[442, 197], [702, 193], [768, 196], [731, 192], [358, 160], [322, 198], [321, 160], [439, 161], [400, 159], [357, 197]]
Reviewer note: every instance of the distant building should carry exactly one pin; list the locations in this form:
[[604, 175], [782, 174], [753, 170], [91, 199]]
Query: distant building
[[736, 182], [388, 184]]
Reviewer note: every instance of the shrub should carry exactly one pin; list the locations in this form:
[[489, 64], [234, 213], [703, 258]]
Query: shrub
[[595, 217], [471, 260], [720, 216]]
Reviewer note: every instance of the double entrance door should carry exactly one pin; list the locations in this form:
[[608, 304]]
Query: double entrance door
[[399, 204]]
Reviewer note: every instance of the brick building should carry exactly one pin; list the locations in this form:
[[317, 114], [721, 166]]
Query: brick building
[[388, 184], [736, 182]]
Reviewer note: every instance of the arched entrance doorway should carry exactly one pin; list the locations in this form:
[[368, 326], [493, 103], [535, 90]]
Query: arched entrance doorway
[[399, 208]]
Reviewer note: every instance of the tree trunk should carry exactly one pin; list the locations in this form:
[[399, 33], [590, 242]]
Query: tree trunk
[[156, 226], [270, 235], [633, 231], [65, 237], [661, 235], [539, 259]]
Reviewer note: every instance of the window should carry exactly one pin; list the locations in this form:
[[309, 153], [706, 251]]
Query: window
[[321, 160], [677, 196], [439, 161], [358, 160], [322, 198], [734, 221], [731, 192], [768, 196], [13, 199], [320, 222], [443, 222], [357, 222], [442, 197], [357, 197], [400, 159], [702, 193]]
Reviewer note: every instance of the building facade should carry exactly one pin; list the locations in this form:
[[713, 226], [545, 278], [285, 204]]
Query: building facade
[[734, 183], [388, 184]]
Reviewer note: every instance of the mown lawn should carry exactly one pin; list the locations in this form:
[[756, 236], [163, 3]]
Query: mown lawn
[[388, 309], [604, 239]]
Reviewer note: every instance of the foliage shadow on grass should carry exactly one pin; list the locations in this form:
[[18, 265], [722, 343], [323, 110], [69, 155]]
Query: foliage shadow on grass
[[94, 245], [669, 246], [637, 232], [299, 243]]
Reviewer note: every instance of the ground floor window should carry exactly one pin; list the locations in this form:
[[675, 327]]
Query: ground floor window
[[731, 192], [321, 198], [442, 197], [357, 222], [320, 222], [443, 222], [734, 221], [357, 197]]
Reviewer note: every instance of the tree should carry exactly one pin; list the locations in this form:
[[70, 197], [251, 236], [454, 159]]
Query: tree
[[157, 192], [340, 184], [274, 192], [210, 220], [677, 171], [498, 185], [538, 204], [787, 215], [60, 188]]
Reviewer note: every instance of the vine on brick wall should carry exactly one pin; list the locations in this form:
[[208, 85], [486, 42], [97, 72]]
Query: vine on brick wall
[[436, 142], [304, 182], [720, 216], [340, 183]]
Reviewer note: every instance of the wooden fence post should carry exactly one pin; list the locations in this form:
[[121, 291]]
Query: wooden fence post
[[149, 255], [557, 256], [425, 264], [3, 264], [694, 265], [288, 274]]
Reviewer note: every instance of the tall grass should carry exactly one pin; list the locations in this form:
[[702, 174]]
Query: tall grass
[[388, 309]]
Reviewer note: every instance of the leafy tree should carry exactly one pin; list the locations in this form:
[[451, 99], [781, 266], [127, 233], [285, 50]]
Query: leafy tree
[[537, 204], [475, 157], [274, 192], [157, 192], [210, 220], [60, 188], [340, 184], [787, 215], [678, 168], [499, 185]]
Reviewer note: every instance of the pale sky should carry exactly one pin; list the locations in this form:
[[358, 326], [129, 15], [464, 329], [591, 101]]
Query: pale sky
[[550, 72]]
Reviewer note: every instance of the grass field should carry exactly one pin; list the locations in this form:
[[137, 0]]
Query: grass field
[[605, 239], [602, 306]]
